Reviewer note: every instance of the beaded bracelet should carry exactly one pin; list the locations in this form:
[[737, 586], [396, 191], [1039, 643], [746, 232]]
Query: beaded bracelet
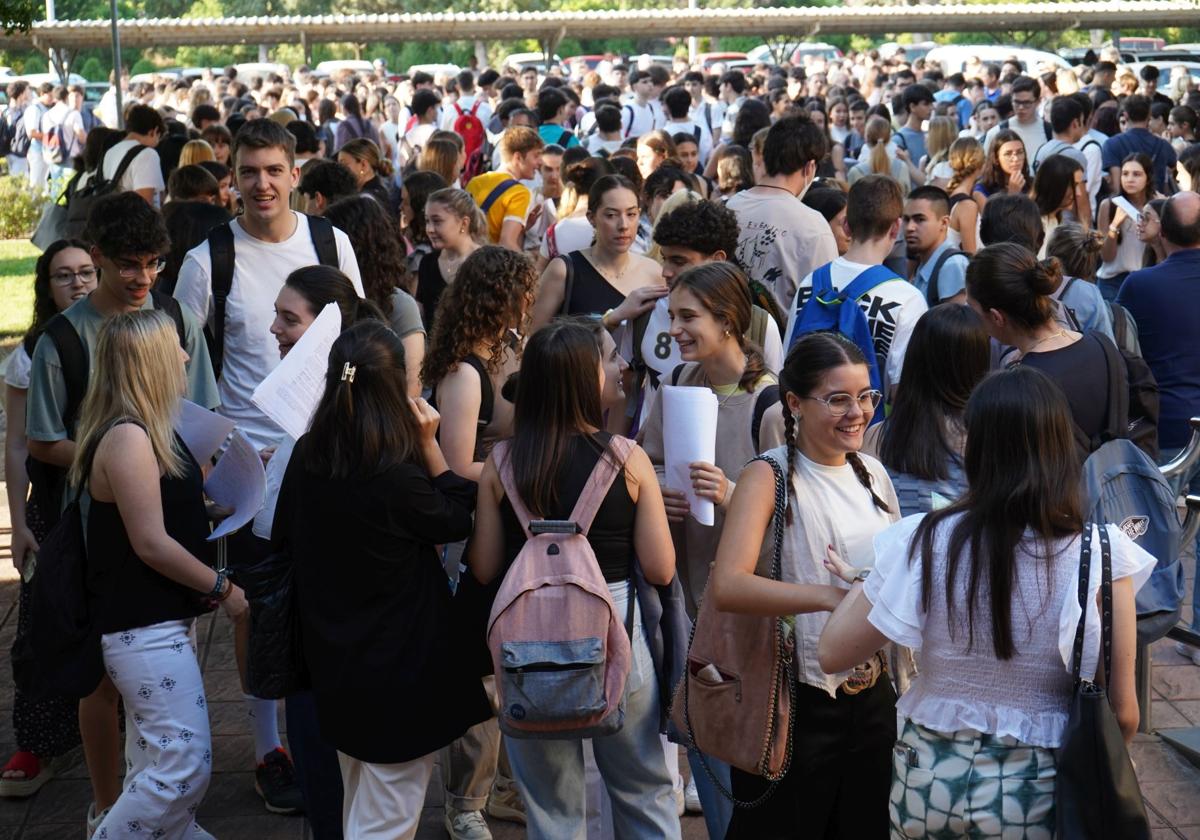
[[218, 585]]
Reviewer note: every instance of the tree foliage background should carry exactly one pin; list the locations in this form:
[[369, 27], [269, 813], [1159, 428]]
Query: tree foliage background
[[95, 64]]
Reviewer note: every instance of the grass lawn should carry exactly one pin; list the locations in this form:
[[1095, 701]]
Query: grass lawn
[[17, 258]]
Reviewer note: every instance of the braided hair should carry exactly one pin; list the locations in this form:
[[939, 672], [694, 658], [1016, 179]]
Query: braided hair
[[812, 356]]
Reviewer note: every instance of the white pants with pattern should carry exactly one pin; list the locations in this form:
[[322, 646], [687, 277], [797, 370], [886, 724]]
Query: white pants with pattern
[[168, 742]]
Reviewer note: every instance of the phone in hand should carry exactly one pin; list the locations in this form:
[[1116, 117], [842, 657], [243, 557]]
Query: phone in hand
[[30, 565]]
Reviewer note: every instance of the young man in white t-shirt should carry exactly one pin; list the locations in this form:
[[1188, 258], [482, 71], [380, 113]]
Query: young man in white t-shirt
[[678, 102], [638, 115], [608, 136], [144, 128], [270, 241], [467, 97], [781, 239], [873, 214]]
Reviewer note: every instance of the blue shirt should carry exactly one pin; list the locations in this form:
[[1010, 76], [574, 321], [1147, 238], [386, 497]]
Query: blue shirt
[[1132, 140], [1088, 306], [951, 279], [961, 104], [551, 133], [1164, 301], [913, 141]]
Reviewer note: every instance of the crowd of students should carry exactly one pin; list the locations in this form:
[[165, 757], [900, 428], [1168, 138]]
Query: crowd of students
[[521, 265]]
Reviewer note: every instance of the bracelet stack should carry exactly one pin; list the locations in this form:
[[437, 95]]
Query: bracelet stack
[[218, 592]]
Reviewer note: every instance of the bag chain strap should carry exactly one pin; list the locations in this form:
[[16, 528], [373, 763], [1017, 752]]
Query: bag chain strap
[[783, 672]]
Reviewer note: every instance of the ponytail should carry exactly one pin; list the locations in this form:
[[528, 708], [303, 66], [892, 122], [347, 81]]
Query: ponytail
[[1008, 277], [877, 135]]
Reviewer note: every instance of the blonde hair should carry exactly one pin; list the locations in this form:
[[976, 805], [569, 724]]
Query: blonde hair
[[460, 203], [942, 133], [196, 151], [440, 156], [136, 374], [877, 134], [966, 157], [1077, 249]]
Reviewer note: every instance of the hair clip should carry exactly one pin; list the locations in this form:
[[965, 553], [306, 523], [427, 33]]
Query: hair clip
[[348, 371]]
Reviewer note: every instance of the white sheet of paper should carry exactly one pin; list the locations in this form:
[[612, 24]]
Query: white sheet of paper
[[290, 393], [1124, 203], [237, 482], [202, 431], [690, 415]]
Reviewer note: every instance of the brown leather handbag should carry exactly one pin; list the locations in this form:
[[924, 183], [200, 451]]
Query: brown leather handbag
[[737, 695]]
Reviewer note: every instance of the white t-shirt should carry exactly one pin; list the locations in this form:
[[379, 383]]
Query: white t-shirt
[[420, 134], [596, 144], [961, 687], [636, 119], [17, 369], [144, 172], [781, 239], [450, 113], [574, 233], [251, 352], [1094, 170], [1032, 134], [892, 308]]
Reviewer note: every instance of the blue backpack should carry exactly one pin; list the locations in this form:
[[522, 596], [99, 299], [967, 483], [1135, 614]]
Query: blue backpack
[[824, 312], [1123, 486]]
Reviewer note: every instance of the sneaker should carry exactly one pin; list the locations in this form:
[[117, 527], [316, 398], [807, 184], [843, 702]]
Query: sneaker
[[34, 775], [1188, 652], [466, 825], [94, 820], [691, 798], [505, 803], [275, 782]]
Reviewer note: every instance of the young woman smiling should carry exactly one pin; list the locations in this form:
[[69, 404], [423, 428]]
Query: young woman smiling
[[844, 723], [456, 227], [595, 280]]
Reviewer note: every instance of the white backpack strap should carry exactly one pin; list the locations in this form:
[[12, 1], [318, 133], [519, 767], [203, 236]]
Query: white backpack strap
[[610, 464], [500, 455]]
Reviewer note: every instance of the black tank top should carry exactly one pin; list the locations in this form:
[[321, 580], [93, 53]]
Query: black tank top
[[590, 292], [611, 534], [430, 285], [957, 197], [129, 593]]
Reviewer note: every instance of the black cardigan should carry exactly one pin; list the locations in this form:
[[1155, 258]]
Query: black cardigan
[[374, 607]]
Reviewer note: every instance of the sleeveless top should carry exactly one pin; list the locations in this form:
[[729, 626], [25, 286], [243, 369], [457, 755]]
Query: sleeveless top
[[129, 593], [430, 285], [590, 292], [611, 534]]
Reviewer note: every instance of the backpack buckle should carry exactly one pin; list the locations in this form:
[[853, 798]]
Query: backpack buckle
[[553, 526]]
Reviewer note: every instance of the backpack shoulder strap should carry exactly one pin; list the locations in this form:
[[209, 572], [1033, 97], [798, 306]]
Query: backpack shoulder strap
[[868, 280], [568, 283], [932, 298], [171, 306], [458, 108], [629, 128], [640, 324], [123, 165], [324, 242], [220, 249], [475, 108], [497, 191], [1046, 127], [767, 397], [72, 358], [487, 397], [564, 138], [609, 465], [758, 325], [500, 456], [822, 281], [675, 374]]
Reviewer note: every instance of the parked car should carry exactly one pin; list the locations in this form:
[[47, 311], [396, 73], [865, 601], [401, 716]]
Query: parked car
[[257, 69], [536, 60], [333, 68], [794, 52], [912, 52], [705, 61], [953, 57]]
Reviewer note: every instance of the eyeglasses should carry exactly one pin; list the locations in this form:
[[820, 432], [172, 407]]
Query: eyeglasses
[[1024, 103], [131, 270], [67, 278], [839, 405]]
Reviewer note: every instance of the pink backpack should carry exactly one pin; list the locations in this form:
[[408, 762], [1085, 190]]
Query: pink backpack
[[561, 653]]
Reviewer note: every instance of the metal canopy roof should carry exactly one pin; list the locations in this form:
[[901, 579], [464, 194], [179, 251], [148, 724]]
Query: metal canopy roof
[[866, 20]]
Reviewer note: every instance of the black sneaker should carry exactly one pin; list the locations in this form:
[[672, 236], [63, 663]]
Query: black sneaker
[[275, 782]]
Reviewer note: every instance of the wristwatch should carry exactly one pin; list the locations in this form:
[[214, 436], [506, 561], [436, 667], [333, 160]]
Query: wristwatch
[[862, 575]]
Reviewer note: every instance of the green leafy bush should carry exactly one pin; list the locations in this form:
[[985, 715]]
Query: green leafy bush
[[19, 208]]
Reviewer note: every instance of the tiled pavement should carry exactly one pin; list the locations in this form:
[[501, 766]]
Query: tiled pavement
[[232, 811]]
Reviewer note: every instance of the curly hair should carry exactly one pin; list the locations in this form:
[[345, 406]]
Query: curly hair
[[372, 232], [492, 294], [702, 226], [124, 225]]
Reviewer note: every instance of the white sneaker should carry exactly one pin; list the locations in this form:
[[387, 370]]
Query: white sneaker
[[93, 820], [691, 798], [466, 825], [1188, 651]]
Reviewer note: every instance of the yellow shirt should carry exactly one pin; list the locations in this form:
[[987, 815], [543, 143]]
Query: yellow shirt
[[513, 203]]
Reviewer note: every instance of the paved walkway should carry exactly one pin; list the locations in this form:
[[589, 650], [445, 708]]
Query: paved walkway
[[232, 811]]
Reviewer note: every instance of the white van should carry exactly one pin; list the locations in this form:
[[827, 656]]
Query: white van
[[953, 57]]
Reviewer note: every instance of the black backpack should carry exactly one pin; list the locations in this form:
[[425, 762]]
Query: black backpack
[[13, 138], [220, 248], [932, 298], [81, 199], [48, 481]]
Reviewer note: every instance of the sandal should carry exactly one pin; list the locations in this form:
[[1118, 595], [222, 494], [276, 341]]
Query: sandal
[[36, 774]]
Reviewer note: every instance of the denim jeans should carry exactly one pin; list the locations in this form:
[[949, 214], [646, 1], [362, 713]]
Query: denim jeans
[[550, 774], [1193, 488], [718, 809], [317, 772]]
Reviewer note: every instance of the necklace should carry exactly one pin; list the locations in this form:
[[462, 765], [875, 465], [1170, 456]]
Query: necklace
[[605, 272], [720, 400], [1039, 343], [776, 187]]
